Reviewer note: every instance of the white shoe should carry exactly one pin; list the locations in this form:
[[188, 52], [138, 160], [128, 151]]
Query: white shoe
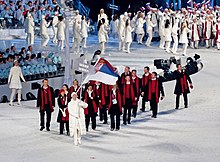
[[79, 141], [75, 143]]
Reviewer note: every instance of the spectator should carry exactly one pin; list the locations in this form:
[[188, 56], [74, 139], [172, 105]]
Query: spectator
[[19, 18], [13, 50], [29, 6]]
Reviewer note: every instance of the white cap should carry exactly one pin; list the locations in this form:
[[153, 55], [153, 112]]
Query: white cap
[[74, 93]]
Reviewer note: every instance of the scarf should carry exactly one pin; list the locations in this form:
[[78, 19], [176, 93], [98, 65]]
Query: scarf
[[43, 98], [183, 82]]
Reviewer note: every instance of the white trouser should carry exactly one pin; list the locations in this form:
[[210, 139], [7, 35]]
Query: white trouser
[[84, 42], [218, 45], [128, 47], [207, 42], [13, 93], [162, 42], [168, 46], [140, 38], [30, 38], [76, 44], [102, 47], [195, 44], [45, 39], [149, 39], [185, 45], [61, 44], [54, 34], [77, 136], [175, 44], [121, 44]]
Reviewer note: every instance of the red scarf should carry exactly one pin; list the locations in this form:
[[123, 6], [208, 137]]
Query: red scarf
[[217, 32], [43, 98], [156, 89], [131, 90], [63, 101], [184, 84], [73, 90], [145, 79], [86, 111], [136, 81]]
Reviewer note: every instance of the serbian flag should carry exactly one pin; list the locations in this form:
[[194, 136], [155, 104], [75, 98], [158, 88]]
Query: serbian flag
[[103, 72]]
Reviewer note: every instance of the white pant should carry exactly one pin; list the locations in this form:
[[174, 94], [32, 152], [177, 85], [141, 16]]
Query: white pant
[[121, 44], [175, 44], [149, 39], [195, 44], [162, 42], [13, 93], [128, 47], [76, 44], [218, 45], [102, 47], [140, 38], [168, 46], [84, 42], [77, 136], [185, 45], [30, 38], [61, 44], [45, 39], [54, 34]]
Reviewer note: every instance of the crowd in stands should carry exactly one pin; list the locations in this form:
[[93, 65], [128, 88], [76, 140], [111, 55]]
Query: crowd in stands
[[14, 12], [33, 65]]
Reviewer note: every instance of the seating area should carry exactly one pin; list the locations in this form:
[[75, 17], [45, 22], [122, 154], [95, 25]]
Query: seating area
[[34, 66]]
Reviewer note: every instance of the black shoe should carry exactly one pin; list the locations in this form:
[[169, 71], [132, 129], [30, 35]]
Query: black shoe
[[42, 128], [117, 129], [153, 116], [87, 129], [112, 129], [105, 122], [186, 106], [67, 133], [61, 133], [124, 123], [177, 108], [129, 122], [48, 129]]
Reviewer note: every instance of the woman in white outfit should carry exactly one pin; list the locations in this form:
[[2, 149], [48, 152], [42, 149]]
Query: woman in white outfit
[[77, 124], [84, 30], [140, 27], [102, 35], [15, 82], [61, 33], [43, 30], [175, 36], [128, 35], [121, 33], [183, 37], [161, 31], [55, 26], [167, 33], [114, 26], [77, 35], [29, 28], [150, 27]]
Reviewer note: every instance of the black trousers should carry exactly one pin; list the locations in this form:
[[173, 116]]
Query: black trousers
[[134, 111], [144, 99], [185, 97], [127, 110], [93, 119], [48, 115], [154, 105], [103, 114], [115, 113], [62, 127]]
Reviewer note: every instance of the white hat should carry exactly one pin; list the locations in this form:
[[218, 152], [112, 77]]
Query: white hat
[[56, 12], [74, 93], [43, 16]]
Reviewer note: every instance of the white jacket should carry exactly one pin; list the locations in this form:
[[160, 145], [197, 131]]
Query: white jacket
[[140, 26], [128, 34], [167, 33], [55, 22], [61, 31], [77, 116], [150, 26], [14, 78], [183, 36], [43, 27], [84, 28], [29, 25], [102, 34], [121, 28]]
